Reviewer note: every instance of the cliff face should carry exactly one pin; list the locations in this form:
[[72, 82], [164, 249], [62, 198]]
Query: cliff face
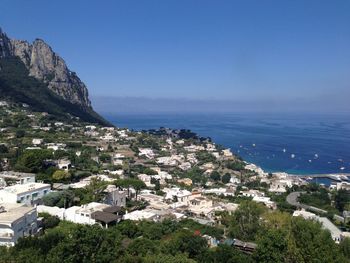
[[45, 65]]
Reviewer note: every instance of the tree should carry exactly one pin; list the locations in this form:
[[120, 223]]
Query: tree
[[131, 182], [225, 253], [312, 243], [226, 178], [272, 247], [3, 149], [215, 176], [105, 158], [61, 175], [49, 220], [149, 171], [246, 221], [20, 133], [142, 246], [186, 242], [342, 199], [345, 247], [32, 161]]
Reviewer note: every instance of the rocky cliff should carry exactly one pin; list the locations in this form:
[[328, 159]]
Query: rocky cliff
[[45, 65]]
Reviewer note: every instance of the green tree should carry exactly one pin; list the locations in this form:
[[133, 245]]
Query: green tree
[[143, 246], [32, 161], [226, 178], [61, 175], [215, 176], [246, 221], [272, 247], [345, 247], [342, 199], [186, 242]]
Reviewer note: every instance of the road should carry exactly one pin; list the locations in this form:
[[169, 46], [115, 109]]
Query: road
[[292, 199]]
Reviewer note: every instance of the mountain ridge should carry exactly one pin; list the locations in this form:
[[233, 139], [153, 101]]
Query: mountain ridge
[[41, 73]]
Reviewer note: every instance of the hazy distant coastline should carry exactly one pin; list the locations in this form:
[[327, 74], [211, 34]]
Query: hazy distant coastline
[[104, 104]]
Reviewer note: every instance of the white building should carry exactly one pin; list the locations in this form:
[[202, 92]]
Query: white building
[[266, 201], [220, 191], [147, 152], [176, 193], [280, 185], [227, 153], [16, 220], [64, 164], [56, 146], [37, 141], [17, 177], [252, 193], [24, 193], [82, 214], [139, 215], [115, 196]]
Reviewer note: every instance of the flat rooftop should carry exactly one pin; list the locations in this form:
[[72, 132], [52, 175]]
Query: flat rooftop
[[13, 212], [12, 174], [23, 188]]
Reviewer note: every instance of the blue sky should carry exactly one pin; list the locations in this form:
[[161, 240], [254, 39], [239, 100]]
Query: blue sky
[[243, 50]]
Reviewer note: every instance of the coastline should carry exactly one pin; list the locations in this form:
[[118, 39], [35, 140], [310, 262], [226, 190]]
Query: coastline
[[316, 145]]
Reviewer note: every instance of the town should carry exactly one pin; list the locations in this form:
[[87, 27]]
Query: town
[[67, 171]]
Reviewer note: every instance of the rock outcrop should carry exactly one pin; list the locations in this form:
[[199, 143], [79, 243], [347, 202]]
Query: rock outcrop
[[45, 65]]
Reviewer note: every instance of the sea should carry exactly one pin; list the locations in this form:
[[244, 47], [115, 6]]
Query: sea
[[295, 143]]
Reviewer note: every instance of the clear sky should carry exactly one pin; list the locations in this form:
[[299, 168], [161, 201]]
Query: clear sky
[[241, 50]]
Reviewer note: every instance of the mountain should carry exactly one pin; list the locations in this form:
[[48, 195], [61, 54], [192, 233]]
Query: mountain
[[33, 73]]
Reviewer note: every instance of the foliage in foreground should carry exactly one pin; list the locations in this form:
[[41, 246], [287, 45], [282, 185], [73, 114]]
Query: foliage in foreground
[[280, 238]]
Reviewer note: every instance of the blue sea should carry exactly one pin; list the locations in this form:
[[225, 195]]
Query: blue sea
[[293, 143]]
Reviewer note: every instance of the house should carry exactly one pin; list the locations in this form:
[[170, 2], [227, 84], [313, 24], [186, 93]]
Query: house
[[185, 181], [252, 167], [16, 220], [346, 215], [16, 178], [108, 137], [266, 201], [252, 193], [146, 179], [304, 214], [64, 164], [93, 213], [90, 127], [118, 159], [56, 146], [220, 191], [227, 153], [177, 194], [37, 141], [167, 160], [139, 215], [114, 196], [185, 166], [280, 185], [24, 193], [147, 152]]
